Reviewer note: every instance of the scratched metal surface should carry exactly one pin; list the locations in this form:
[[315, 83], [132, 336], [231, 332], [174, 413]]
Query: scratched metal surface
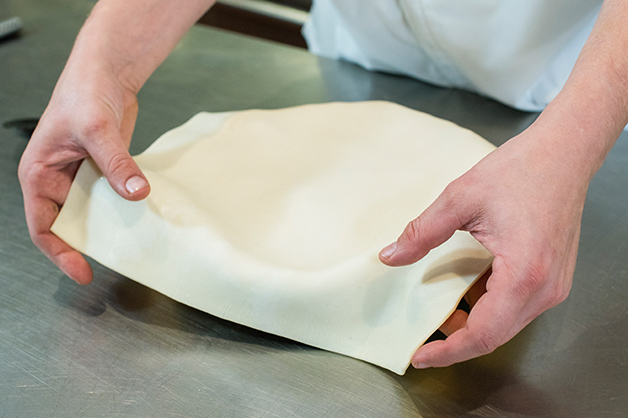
[[115, 348]]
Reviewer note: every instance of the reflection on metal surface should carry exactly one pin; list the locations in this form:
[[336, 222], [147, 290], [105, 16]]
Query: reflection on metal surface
[[269, 9], [25, 127], [10, 27]]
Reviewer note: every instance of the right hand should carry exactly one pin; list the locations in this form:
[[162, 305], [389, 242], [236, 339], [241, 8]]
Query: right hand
[[91, 114]]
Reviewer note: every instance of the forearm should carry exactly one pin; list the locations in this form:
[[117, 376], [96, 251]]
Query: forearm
[[130, 38], [592, 109]]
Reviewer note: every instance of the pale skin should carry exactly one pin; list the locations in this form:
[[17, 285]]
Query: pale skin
[[523, 202]]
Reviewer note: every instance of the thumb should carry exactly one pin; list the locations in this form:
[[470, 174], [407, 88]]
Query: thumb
[[432, 228], [112, 157]]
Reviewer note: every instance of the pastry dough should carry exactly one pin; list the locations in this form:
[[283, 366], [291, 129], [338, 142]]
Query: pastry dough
[[274, 219]]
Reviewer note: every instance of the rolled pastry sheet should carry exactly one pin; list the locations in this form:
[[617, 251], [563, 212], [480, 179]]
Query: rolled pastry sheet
[[274, 219]]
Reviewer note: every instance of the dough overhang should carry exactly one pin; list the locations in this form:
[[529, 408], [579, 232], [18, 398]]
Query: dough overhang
[[274, 219]]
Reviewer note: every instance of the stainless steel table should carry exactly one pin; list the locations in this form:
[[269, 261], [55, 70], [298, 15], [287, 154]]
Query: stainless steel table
[[116, 348]]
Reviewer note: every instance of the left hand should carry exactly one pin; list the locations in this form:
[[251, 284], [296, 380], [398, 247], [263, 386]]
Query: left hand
[[524, 203]]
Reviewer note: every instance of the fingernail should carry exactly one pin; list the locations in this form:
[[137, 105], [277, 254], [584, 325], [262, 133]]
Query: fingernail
[[389, 251], [135, 183], [420, 366]]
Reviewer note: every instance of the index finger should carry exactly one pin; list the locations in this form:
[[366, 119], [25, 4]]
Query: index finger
[[40, 214], [496, 317]]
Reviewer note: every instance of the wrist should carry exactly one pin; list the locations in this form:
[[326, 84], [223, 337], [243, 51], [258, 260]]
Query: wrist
[[101, 52], [130, 39], [580, 128]]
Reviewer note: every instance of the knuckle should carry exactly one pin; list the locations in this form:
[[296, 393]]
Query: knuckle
[[38, 241], [38, 237], [534, 280], [118, 163], [556, 295], [486, 342], [95, 128], [547, 288], [529, 280], [412, 232], [29, 172], [23, 172]]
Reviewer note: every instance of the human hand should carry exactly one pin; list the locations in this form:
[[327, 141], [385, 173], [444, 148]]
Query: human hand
[[93, 110], [524, 203], [90, 114]]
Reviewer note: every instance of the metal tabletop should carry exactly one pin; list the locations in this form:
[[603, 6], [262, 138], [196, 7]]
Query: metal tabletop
[[117, 349]]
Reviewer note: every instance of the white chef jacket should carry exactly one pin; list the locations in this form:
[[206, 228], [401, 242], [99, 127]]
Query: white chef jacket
[[519, 52]]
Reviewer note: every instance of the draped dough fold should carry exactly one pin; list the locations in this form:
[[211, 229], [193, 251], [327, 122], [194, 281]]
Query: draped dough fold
[[274, 218]]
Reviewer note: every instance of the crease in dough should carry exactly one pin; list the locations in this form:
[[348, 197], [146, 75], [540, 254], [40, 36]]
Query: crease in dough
[[274, 219]]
